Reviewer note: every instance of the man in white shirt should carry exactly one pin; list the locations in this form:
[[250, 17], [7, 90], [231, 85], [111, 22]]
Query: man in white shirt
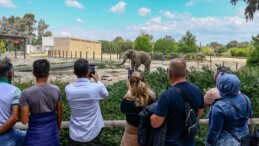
[[9, 107], [83, 98]]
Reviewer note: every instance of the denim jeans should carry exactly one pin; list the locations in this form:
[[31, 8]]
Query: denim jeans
[[12, 138]]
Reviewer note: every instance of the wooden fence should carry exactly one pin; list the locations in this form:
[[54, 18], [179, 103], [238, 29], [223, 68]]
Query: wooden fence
[[116, 123]]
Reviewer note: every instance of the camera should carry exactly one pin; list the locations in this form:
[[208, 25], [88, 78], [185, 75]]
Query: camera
[[92, 68]]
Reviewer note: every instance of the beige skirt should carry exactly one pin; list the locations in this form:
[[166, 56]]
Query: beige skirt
[[130, 136]]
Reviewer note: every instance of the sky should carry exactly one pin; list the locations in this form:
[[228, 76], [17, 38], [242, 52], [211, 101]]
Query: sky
[[208, 20]]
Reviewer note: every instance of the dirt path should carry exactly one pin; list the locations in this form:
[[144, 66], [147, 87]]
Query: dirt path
[[109, 75]]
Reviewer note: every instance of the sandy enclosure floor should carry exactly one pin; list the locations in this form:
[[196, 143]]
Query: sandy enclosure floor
[[109, 75]]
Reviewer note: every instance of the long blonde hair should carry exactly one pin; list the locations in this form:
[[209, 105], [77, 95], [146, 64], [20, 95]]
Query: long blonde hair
[[141, 94]]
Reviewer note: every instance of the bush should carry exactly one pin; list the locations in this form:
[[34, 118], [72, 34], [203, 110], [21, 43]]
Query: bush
[[239, 52]]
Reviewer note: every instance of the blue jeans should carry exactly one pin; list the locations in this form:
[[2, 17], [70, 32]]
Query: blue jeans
[[12, 138]]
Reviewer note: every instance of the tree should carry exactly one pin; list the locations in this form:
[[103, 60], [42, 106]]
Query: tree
[[215, 45], [166, 44], [2, 47], [143, 43], [29, 21], [118, 39], [232, 44], [42, 27], [188, 43], [251, 8], [253, 57]]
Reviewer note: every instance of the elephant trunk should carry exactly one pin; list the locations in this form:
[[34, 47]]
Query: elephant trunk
[[124, 60]]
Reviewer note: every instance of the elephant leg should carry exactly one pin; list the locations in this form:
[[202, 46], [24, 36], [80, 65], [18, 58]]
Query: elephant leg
[[137, 66], [132, 65], [147, 67]]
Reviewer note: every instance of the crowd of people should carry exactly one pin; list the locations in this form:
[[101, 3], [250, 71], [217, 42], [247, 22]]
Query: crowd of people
[[150, 119]]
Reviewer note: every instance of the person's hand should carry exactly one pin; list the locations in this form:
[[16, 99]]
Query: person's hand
[[95, 76]]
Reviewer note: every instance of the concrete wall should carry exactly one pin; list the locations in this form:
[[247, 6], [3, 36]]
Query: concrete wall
[[74, 44], [47, 43]]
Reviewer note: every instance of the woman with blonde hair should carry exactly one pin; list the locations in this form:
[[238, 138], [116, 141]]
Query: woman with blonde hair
[[138, 96]]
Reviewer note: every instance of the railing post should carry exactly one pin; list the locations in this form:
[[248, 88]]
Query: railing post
[[63, 54], [71, 54], [236, 65], [58, 53], [101, 56], [55, 53], [86, 54], [75, 54], [66, 53], [80, 54], [110, 56], [93, 55]]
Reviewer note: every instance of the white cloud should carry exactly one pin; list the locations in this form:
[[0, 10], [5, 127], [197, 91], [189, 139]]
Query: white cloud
[[190, 3], [74, 3], [144, 11], [168, 14], [79, 20], [206, 29], [193, 2], [119, 8], [7, 3]]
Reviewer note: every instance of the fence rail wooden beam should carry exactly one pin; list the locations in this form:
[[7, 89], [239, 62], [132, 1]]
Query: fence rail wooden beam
[[115, 123]]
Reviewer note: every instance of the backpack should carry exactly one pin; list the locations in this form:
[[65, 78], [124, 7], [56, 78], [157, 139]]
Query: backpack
[[192, 125]]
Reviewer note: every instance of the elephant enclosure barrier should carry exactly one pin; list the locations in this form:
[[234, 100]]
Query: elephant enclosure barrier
[[209, 61]]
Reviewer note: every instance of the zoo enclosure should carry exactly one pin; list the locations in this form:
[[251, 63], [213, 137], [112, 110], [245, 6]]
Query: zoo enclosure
[[209, 61]]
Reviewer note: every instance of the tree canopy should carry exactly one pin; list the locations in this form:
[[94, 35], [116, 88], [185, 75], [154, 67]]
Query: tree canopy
[[25, 26], [165, 44], [143, 43], [188, 43], [251, 8], [253, 58]]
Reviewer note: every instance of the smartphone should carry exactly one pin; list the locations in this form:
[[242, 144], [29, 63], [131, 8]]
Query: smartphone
[[130, 72], [92, 68]]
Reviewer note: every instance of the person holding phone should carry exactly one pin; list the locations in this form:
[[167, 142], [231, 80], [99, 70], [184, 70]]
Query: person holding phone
[[138, 96], [83, 97]]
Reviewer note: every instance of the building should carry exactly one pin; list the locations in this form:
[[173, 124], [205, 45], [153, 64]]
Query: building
[[47, 44], [72, 45]]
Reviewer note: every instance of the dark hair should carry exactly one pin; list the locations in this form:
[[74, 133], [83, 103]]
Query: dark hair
[[81, 67], [41, 68], [5, 67], [222, 69]]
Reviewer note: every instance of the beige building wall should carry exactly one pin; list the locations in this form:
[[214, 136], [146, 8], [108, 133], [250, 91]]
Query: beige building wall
[[77, 45]]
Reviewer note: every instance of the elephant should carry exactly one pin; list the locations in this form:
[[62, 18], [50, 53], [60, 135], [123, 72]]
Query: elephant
[[137, 58]]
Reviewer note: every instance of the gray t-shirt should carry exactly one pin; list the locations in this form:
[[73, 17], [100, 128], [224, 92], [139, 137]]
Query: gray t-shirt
[[41, 98]]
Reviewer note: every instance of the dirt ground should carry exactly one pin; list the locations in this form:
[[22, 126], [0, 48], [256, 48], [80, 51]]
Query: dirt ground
[[110, 75]]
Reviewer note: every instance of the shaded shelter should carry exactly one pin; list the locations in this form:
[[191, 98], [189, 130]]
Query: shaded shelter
[[14, 37]]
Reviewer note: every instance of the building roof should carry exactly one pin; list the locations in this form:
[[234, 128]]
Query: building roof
[[7, 36], [72, 38]]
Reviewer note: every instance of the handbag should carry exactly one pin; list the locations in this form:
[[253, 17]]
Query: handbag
[[254, 134], [249, 139]]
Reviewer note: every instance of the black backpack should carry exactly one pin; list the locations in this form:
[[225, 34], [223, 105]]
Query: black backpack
[[192, 125]]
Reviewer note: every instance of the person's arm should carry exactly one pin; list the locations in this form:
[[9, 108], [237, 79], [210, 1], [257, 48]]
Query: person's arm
[[59, 114], [156, 121], [25, 114], [216, 122], [200, 112], [12, 120], [103, 90], [161, 111]]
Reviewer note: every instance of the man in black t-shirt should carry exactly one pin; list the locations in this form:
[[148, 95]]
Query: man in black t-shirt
[[171, 106]]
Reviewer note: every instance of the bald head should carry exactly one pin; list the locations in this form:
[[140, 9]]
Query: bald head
[[178, 67]]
